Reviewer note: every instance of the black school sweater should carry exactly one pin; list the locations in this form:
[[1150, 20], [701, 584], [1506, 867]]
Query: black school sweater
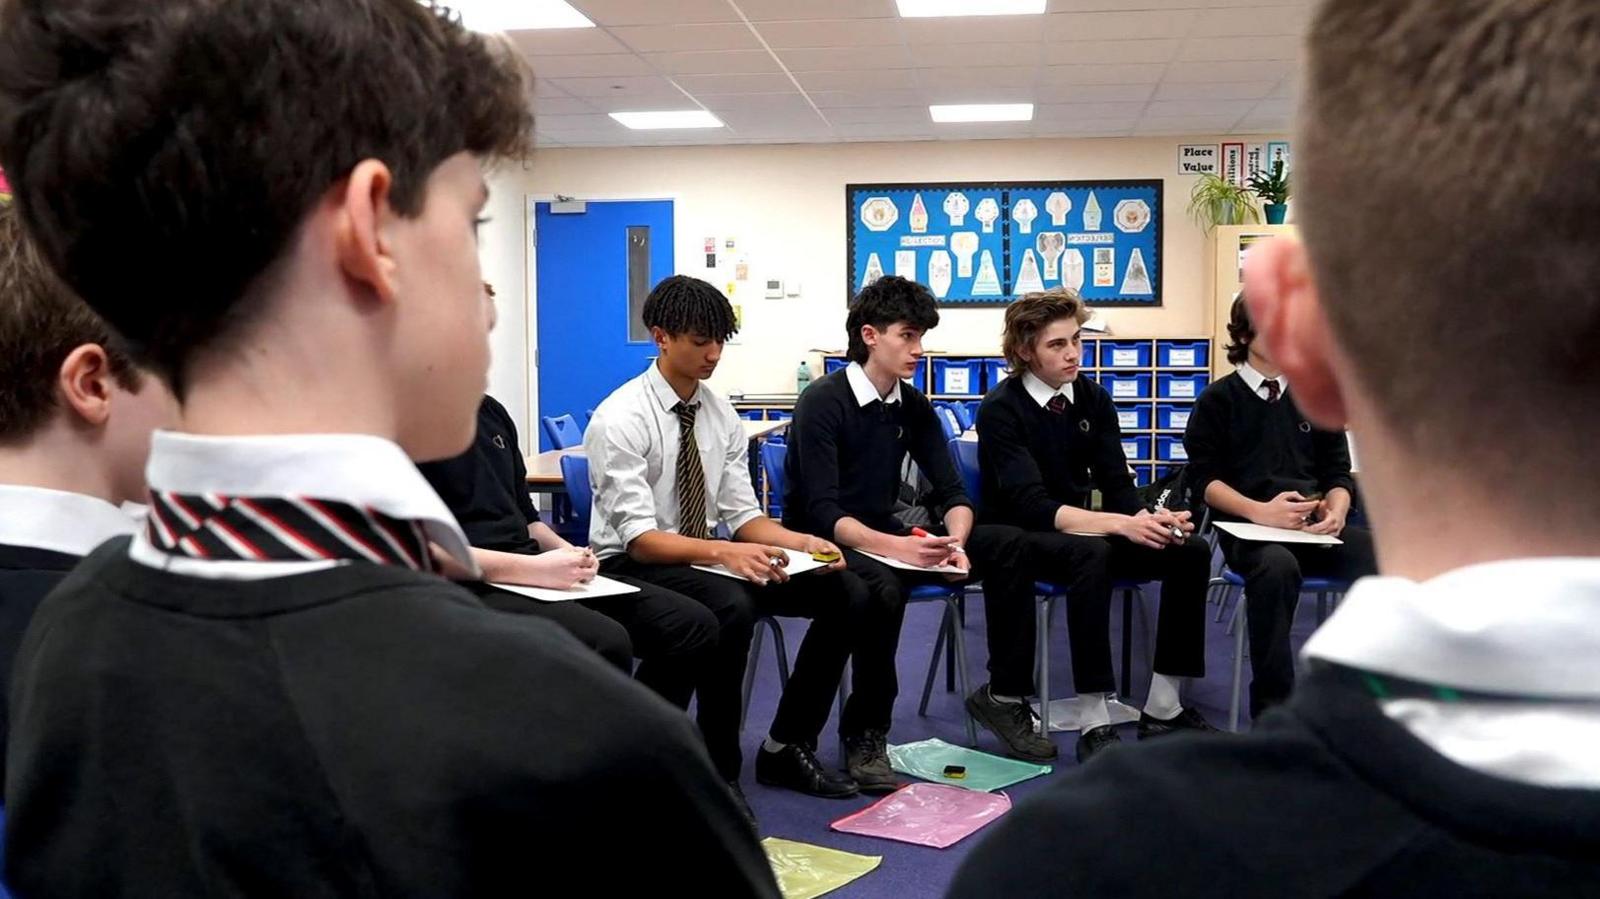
[[1261, 449], [360, 731], [486, 487], [1325, 797], [1034, 461], [26, 576], [844, 459]]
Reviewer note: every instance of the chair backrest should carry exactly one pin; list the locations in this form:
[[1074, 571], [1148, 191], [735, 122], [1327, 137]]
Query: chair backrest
[[575, 474], [965, 455], [588, 417], [563, 431], [948, 423], [773, 458], [964, 415]]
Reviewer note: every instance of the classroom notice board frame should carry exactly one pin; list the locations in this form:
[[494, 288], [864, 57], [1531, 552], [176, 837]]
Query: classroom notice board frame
[[1124, 223]]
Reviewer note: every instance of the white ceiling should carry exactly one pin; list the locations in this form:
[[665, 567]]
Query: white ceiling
[[827, 71]]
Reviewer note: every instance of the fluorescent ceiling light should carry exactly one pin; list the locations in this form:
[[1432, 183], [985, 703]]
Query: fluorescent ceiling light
[[518, 15], [918, 9], [678, 118], [983, 112]]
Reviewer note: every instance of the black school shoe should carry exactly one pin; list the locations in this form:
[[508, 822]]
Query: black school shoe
[[1096, 740], [1188, 720], [867, 760], [1014, 723], [795, 767]]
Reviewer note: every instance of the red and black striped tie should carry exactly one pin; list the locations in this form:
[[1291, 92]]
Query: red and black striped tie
[[282, 529]]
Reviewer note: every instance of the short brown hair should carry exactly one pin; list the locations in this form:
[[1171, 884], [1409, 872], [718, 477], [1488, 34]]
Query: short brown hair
[[1448, 173], [1033, 313], [164, 153], [41, 322], [1241, 333]]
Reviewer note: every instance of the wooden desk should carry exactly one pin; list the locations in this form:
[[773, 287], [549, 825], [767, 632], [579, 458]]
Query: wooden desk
[[544, 469]]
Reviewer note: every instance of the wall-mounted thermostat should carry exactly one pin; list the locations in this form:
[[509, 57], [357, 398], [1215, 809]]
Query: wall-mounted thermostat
[[774, 290]]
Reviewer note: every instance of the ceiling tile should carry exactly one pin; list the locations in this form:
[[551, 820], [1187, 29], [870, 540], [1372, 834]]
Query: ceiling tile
[[701, 62], [712, 85], [564, 41], [870, 79], [1110, 26], [831, 33], [1253, 20], [883, 131], [846, 59], [655, 12], [973, 92], [793, 101], [1222, 49], [786, 10], [1186, 108], [1221, 90], [974, 30], [858, 98], [1131, 73], [1087, 128], [605, 64], [897, 115], [562, 106], [1101, 52], [627, 88], [675, 38], [983, 130], [1199, 72], [1093, 93], [543, 87], [1186, 125], [998, 76], [1070, 112], [978, 55], [557, 125]]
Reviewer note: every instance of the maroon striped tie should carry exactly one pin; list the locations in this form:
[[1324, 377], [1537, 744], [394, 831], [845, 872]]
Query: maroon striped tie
[[282, 529]]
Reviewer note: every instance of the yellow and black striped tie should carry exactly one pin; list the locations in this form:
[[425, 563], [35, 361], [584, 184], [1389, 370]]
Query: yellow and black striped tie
[[691, 477]]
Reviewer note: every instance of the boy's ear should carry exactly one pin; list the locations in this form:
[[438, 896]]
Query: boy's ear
[[869, 336], [660, 336], [1292, 329], [362, 215], [85, 383]]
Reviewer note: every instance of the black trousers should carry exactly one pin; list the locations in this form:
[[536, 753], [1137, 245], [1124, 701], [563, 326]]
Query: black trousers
[[674, 637], [1273, 574], [1087, 568], [846, 620], [592, 629]]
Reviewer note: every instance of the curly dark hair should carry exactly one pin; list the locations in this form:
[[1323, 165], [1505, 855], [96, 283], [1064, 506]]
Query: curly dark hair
[[1241, 333], [885, 301], [684, 305]]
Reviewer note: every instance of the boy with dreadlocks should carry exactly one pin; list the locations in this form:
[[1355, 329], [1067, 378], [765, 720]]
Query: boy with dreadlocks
[[656, 508]]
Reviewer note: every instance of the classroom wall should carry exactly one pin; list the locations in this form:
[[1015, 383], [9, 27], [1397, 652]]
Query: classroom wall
[[784, 205]]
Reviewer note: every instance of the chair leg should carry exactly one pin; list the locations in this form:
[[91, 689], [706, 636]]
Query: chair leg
[[958, 647], [781, 651], [1127, 641], [1233, 621], [933, 663], [1041, 655], [1239, 627], [750, 663], [1322, 608], [950, 622]]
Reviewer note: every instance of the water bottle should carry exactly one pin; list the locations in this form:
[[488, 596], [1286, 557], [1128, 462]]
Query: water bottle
[[802, 378]]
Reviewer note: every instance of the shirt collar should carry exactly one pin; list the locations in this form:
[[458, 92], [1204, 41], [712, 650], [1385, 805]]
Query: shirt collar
[[664, 394], [358, 469], [1254, 379], [1042, 393], [58, 521], [1458, 629], [861, 386]]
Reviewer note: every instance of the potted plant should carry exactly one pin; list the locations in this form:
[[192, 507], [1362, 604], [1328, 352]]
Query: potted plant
[[1218, 201], [1273, 189]]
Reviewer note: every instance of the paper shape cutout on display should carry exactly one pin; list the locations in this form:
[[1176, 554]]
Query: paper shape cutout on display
[[987, 283], [1072, 269], [1024, 212], [939, 273], [988, 210], [1091, 213], [1050, 244], [874, 270], [965, 245], [1105, 267], [1137, 279], [1131, 216], [905, 264], [879, 213], [919, 215], [1028, 281], [1058, 205], [956, 206]]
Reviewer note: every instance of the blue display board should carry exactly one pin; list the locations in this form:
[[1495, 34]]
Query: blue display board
[[986, 244]]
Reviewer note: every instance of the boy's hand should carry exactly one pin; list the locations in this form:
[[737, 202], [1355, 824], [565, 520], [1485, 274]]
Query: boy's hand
[[1287, 510], [758, 563]]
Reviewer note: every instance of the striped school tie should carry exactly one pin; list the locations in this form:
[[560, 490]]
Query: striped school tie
[[1273, 391], [1057, 404], [691, 478], [282, 529]]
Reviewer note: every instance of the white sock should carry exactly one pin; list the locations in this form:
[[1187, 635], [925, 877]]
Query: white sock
[[1092, 711], [1163, 702], [771, 745]]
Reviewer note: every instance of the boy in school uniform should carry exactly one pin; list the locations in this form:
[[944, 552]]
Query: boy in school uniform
[[75, 420], [656, 510], [1254, 456], [851, 433], [1046, 439], [290, 244], [1440, 740]]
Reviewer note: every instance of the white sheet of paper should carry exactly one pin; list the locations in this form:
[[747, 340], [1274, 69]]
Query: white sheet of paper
[[906, 566], [600, 586], [799, 563], [1260, 533]]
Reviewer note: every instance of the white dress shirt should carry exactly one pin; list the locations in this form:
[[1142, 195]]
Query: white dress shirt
[[358, 469], [865, 393], [1526, 629], [58, 521], [1255, 379], [632, 445], [1042, 393]]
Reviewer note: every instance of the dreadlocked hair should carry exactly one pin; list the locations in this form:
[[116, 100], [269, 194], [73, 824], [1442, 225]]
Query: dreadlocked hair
[[885, 301], [684, 305]]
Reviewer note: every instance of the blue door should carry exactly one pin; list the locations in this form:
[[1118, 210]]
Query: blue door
[[593, 270]]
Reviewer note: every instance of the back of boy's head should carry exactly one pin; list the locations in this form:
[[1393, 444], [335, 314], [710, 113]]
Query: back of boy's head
[[41, 323], [685, 306], [164, 153], [885, 301], [1028, 317], [1448, 178]]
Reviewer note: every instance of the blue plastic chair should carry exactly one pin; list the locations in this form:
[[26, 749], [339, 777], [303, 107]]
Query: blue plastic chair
[[588, 417], [575, 475], [964, 416], [948, 423], [563, 431], [1325, 589]]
